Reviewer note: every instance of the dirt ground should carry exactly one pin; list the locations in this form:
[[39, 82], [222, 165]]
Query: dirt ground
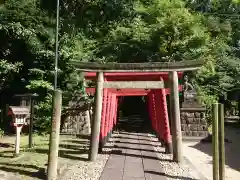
[[200, 154], [31, 163]]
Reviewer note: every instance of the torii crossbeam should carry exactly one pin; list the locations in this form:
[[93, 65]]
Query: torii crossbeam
[[170, 67]]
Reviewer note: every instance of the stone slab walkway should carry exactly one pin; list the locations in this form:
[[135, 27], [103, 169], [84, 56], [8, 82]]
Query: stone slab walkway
[[133, 158]]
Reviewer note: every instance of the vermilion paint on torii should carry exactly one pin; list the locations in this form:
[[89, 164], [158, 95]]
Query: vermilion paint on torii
[[129, 92], [135, 76], [157, 104], [128, 76]]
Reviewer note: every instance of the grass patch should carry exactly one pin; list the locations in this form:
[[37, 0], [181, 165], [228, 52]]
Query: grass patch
[[32, 162]]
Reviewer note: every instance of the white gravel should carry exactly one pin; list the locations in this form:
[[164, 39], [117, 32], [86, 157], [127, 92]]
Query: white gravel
[[85, 170], [199, 168], [3, 175], [175, 171]]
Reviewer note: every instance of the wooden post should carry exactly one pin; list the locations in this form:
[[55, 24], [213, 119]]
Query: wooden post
[[108, 116], [30, 123], [112, 113], [87, 112], [153, 111], [88, 117], [221, 143], [54, 136], [166, 126], [103, 122], [94, 143], [215, 142], [175, 117], [115, 112], [6, 125], [17, 140]]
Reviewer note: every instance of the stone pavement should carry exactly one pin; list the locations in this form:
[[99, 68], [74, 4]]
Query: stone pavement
[[133, 158]]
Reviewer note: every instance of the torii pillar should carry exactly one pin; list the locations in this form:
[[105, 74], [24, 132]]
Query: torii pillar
[[175, 117], [96, 123]]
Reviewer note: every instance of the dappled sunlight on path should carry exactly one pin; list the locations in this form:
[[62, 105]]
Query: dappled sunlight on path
[[200, 155]]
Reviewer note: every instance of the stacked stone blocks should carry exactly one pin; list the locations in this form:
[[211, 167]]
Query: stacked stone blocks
[[193, 122]]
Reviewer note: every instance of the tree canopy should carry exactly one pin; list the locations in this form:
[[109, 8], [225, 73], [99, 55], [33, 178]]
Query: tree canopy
[[117, 31]]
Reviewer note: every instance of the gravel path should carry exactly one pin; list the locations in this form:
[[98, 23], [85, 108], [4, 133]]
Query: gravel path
[[3, 175], [175, 171], [9, 176], [92, 170], [84, 170], [200, 155]]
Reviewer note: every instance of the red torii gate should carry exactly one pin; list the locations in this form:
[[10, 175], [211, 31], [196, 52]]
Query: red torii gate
[[157, 104]]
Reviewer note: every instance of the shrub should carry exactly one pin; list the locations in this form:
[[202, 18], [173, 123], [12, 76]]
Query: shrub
[[43, 109], [1, 133]]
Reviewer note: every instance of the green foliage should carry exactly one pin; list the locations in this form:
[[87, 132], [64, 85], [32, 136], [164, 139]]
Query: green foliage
[[159, 31], [223, 74], [115, 31], [7, 72], [27, 47], [43, 114], [1, 133]]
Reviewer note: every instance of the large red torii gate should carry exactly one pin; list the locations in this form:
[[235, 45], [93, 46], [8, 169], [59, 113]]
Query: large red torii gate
[[147, 69], [157, 104], [131, 76]]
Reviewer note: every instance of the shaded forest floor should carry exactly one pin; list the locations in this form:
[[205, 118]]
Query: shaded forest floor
[[32, 163]]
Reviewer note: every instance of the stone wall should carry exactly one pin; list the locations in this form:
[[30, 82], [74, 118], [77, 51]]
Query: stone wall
[[193, 122], [77, 119], [77, 124]]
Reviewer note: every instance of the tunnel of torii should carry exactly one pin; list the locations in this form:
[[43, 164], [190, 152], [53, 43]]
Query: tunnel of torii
[[154, 80], [156, 101]]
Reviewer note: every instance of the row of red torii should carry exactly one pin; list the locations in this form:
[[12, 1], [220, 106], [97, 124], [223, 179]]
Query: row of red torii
[[154, 80], [157, 104]]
